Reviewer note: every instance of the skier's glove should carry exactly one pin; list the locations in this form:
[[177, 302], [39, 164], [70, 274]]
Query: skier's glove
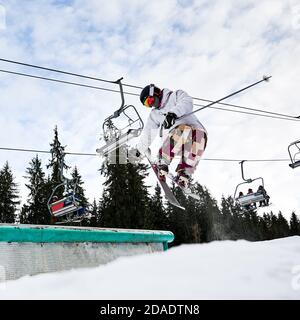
[[137, 153], [169, 120]]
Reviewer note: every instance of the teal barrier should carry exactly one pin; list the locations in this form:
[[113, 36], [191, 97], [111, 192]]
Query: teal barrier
[[50, 234], [34, 249]]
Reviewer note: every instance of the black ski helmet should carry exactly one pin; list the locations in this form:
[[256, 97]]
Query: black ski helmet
[[149, 91]]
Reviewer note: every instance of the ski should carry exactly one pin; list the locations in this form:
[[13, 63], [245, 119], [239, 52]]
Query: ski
[[168, 193], [187, 191]]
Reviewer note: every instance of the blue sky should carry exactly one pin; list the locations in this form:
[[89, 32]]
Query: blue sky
[[207, 48]]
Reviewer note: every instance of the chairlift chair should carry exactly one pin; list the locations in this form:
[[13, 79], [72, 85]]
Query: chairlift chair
[[116, 136], [68, 207], [248, 201], [294, 162]]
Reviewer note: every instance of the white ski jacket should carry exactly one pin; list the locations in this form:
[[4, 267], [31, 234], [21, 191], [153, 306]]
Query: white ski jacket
[[178, 102]]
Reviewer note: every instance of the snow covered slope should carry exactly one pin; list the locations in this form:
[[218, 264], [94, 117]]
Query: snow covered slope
[[218, 270]]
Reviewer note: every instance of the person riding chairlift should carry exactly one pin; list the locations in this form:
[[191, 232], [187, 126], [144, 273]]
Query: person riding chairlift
[[250, 191], [253, 204], [264, 202]]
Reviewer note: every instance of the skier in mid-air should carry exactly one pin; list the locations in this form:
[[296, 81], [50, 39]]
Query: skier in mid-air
[[186, 136]]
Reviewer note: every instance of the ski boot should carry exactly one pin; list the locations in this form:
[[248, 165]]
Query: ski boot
[[161, 171], [183, 179]]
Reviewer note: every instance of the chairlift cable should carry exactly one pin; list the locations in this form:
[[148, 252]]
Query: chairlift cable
[[252, 113], [64, 72], [24, 150], [132, 94], [45, 151], [248, 160], [63, 81], [94, 154], [127, 85], [248, 108]]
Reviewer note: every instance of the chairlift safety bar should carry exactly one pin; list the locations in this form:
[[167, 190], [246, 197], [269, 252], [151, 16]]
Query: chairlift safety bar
[[294, 164]]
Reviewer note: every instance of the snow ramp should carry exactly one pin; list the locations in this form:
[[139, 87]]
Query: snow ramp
[[34, 249]]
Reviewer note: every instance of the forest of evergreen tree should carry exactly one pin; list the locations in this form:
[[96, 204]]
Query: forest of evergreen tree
[[128, 202]]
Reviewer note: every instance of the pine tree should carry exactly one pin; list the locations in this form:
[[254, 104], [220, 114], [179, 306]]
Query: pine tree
[[9, 198], [263, 228], [57, 162], [232, 219], [294, 225], [283, 226], [210, 218], [94, 214], [137, 194], [114, 198], [57, 165], [193, 217], [35, 211], [23, 215], [267, 225], [237, 218], [178, 222], [125, 197], [200, 222], [80, 191], [227, 219], [156, 215], [274, 226]]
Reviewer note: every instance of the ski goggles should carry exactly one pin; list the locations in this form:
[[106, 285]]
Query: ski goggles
[[148, 102]]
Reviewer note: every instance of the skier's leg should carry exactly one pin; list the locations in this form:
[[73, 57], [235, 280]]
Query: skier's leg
[[183, 175], [192, 151], [171, 147], [165, 156]]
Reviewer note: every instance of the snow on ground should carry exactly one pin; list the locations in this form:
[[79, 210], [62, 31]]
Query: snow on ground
[[217, 270]]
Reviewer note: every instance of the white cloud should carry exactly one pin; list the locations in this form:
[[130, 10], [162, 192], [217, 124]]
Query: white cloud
[[2, 18]]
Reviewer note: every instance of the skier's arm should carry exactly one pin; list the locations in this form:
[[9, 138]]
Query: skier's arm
[[183, 105], [148, 134]]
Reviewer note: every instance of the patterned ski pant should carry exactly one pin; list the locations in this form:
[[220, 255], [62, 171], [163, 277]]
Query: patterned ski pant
[[188, 143]]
